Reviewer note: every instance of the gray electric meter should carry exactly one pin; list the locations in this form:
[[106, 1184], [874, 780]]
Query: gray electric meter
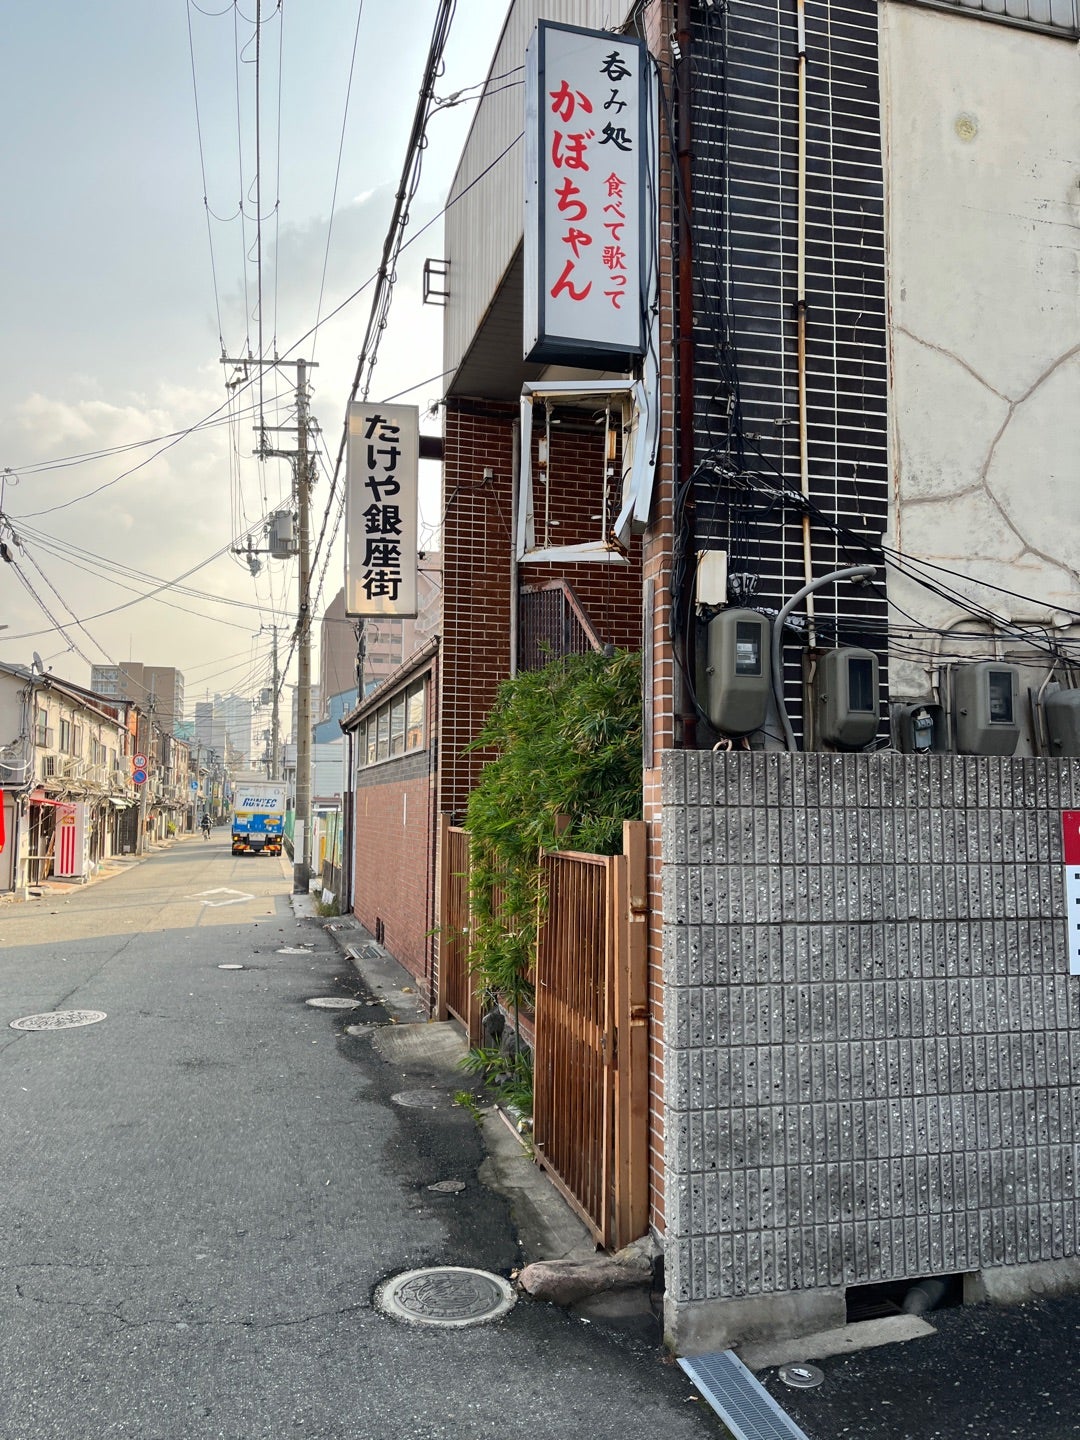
[[846, 690], [986, 711], [1062, 711], [738, 672]]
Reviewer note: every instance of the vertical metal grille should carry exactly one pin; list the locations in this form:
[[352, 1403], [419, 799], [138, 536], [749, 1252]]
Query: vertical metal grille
[[552, 624]]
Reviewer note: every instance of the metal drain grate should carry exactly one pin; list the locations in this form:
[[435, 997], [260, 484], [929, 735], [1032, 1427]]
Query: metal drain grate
[[368, 951], [739, 1398]]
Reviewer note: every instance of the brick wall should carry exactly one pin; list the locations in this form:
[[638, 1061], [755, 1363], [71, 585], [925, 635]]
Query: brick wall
[[873, 1038], [477, 551], [476, 583], [393, 882]]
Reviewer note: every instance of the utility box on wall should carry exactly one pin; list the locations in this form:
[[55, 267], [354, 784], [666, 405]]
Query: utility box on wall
[[986, 712], [738, 671], [1062, 712], [846, 697], [920, 728]]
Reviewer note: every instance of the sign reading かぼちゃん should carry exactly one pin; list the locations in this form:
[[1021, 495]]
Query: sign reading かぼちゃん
[[585, 197]]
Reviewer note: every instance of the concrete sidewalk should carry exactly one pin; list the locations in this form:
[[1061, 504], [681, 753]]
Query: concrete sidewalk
[[547, 1227]]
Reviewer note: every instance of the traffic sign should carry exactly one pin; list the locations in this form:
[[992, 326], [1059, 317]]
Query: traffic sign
[[139, 776], [139, 762]]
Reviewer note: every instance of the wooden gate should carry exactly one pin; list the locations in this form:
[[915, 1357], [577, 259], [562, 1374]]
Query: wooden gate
[[455, 989], [590, 1063], [590, 1052]]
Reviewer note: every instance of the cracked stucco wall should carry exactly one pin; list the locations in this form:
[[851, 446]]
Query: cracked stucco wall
[[983, 232]]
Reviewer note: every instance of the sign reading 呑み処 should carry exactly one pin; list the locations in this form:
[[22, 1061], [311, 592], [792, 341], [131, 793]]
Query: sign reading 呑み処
[[586, 197]]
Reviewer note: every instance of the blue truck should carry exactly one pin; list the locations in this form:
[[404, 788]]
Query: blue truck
[[258, 818]]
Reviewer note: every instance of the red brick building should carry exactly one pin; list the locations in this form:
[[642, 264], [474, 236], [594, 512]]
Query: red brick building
[[392, 739]]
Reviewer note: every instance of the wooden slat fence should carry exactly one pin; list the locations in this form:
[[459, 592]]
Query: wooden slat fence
[[573, 1077], [590, 1058]]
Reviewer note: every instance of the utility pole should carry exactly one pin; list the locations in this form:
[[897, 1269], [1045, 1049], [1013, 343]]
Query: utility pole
[[275, 713], [302, 820], [302, 481]]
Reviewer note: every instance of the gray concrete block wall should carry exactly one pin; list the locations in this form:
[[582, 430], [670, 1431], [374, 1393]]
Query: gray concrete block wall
[[872, 1042]]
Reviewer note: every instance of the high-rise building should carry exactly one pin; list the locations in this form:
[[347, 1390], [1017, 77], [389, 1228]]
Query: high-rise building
[[224, 724], [156, 688], [387, 642]]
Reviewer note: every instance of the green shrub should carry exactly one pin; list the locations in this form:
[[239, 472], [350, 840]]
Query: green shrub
[[567, 743]]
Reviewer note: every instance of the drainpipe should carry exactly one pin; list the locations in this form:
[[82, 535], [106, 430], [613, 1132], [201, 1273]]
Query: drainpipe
[[800, 317], [685, 282], [851, 572], [515, 599], [348, 805]]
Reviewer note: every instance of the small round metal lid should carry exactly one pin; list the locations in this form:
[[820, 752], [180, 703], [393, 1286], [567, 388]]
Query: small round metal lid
[[801, 1377], [58, 1020], [333, 1002], [448, 1295]]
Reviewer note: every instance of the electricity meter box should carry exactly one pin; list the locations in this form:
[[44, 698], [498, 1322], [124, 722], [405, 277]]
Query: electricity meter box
[[986, 711], [921, 728], [846, 692], [738, 671], [1062, 712]]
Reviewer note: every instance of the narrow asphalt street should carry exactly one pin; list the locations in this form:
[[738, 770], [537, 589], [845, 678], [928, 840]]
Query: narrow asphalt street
[[203, 1191]]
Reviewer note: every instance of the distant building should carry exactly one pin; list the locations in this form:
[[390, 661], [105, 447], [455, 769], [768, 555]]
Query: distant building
[[157, 688], [224, 725], [387, 643]]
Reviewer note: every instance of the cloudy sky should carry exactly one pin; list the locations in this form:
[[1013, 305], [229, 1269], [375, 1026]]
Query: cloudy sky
[[133, 178]]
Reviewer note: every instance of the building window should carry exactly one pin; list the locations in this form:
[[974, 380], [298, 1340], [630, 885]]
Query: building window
[[414, 717], [66, 737], [394, 729], [397, 725], [41, 727]]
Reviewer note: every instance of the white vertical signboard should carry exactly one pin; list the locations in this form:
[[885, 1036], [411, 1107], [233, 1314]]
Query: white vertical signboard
[[586, 197], [382, 472]]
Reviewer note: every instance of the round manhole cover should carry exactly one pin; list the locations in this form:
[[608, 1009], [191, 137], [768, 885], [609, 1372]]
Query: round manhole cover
[[230, 967], [58, 1020], [446, 1295], [333, 1002], [421, 1099], [448, 1187], [801, 1377]]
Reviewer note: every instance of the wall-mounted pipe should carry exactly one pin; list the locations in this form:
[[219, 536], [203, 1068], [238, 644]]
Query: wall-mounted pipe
[[850, 572], [800, 313]]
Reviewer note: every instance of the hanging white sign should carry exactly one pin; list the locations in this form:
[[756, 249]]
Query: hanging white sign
[[586, 199], [382, 468]]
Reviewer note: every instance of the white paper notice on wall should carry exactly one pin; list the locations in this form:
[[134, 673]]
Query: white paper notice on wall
[[1070, 832]]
